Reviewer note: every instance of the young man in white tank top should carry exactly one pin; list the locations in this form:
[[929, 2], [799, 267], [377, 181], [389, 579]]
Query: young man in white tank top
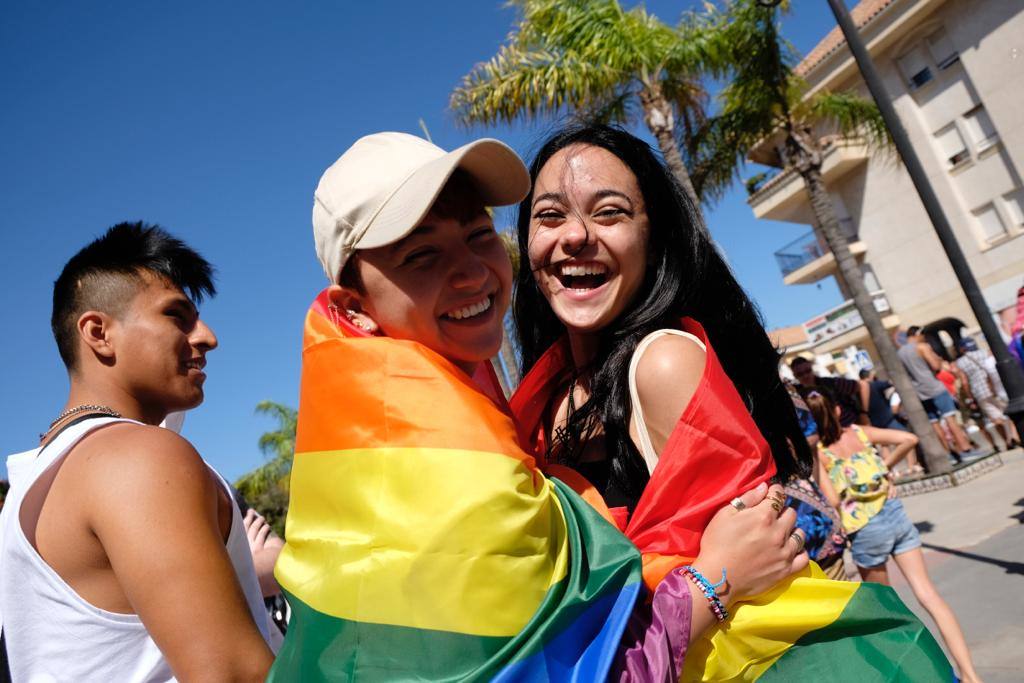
[[122, 554]]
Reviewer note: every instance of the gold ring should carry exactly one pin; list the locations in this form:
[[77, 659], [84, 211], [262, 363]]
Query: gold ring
[[799, 538], [776, 505]]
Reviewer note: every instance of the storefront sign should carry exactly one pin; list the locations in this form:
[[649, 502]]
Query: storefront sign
[[840, 319]]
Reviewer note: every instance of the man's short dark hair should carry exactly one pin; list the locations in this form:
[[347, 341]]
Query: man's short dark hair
[[106, 274], [913, 330], [864, 373], [799, 360]]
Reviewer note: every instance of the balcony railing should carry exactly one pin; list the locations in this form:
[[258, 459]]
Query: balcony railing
[[756, 182], [809, 247]]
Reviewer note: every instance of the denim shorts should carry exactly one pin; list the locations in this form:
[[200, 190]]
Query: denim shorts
[[890, 532], [939, 406]]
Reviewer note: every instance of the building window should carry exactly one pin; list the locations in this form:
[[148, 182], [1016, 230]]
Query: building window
[[966, 138], [951, 146], [870, 279], [1015, 207], [980, 129], [990, 222], [915, 68], [942, 50]]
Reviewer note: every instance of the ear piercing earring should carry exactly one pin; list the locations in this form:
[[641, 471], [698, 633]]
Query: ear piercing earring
[[351, 315]]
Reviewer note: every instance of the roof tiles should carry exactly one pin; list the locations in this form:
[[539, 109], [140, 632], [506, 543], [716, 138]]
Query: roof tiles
[[862, 14]]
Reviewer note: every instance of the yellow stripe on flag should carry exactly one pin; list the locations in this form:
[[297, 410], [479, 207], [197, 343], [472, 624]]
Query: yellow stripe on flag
[[764, 627], [429, 538]]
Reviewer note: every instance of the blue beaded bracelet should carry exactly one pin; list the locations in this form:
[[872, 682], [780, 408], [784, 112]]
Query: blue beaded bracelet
[[708, 589]]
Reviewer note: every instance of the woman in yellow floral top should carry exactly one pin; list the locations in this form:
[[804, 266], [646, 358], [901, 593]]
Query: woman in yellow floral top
[[861, 480], [855, 479]]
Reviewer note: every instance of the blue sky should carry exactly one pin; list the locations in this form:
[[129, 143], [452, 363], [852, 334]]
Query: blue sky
[[216, 120]]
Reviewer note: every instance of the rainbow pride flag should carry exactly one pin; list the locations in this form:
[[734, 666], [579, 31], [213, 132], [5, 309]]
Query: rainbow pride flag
[[423, 543]]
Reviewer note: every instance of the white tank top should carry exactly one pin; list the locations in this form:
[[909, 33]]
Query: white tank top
[[646, 447], [52, 633]]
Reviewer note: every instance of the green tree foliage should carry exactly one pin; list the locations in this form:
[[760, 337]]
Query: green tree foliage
[[266, 487], [764, 97], [508, 241], [597, 61]]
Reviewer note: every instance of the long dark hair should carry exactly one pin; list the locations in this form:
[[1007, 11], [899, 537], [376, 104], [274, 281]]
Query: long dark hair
[[685, 276]]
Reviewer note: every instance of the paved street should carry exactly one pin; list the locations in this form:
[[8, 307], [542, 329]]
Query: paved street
[[974, 547]]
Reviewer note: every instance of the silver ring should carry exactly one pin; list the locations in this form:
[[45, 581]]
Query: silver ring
[[738, 503], [799, 538]]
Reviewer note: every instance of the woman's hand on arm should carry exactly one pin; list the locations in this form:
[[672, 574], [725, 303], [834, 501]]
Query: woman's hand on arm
[[754, 545]]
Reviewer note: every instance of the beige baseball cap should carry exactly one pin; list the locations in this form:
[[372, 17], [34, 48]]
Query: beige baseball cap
[[383, 186]]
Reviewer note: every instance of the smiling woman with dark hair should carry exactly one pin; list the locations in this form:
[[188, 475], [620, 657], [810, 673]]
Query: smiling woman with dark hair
[[650, 374], [613, 258], [619, 269]]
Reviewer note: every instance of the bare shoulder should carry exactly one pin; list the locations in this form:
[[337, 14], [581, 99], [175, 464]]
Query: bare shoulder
[[667, 376], [122, 443], [669, 360], [127, 457]]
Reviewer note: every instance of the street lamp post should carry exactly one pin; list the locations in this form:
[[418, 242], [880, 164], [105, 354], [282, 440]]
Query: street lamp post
[[1009, 371]]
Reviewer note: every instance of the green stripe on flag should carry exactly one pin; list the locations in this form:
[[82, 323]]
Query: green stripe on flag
[[321, 647], [875, 638]]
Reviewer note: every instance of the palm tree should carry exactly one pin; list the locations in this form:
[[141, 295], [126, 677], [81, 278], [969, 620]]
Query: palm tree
[[266, 487], [601, 62], [764, 99]]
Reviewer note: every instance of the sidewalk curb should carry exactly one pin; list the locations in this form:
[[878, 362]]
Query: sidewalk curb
[[946, 480]]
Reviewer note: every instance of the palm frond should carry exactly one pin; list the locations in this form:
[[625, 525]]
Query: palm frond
[[516, 84], [620, 108], [508, 241], [852, 116], [717, 152], [687, 95], [701, 45], [583, 55], [279, 443], [567, 24]]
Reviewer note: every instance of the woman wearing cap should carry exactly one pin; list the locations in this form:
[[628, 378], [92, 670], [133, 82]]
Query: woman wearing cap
[[422, 541]]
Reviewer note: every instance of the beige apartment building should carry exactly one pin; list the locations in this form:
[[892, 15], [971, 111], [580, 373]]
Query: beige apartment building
[[955, 69]]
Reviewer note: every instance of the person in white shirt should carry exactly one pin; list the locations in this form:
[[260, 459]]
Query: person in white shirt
[[122, 553]]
